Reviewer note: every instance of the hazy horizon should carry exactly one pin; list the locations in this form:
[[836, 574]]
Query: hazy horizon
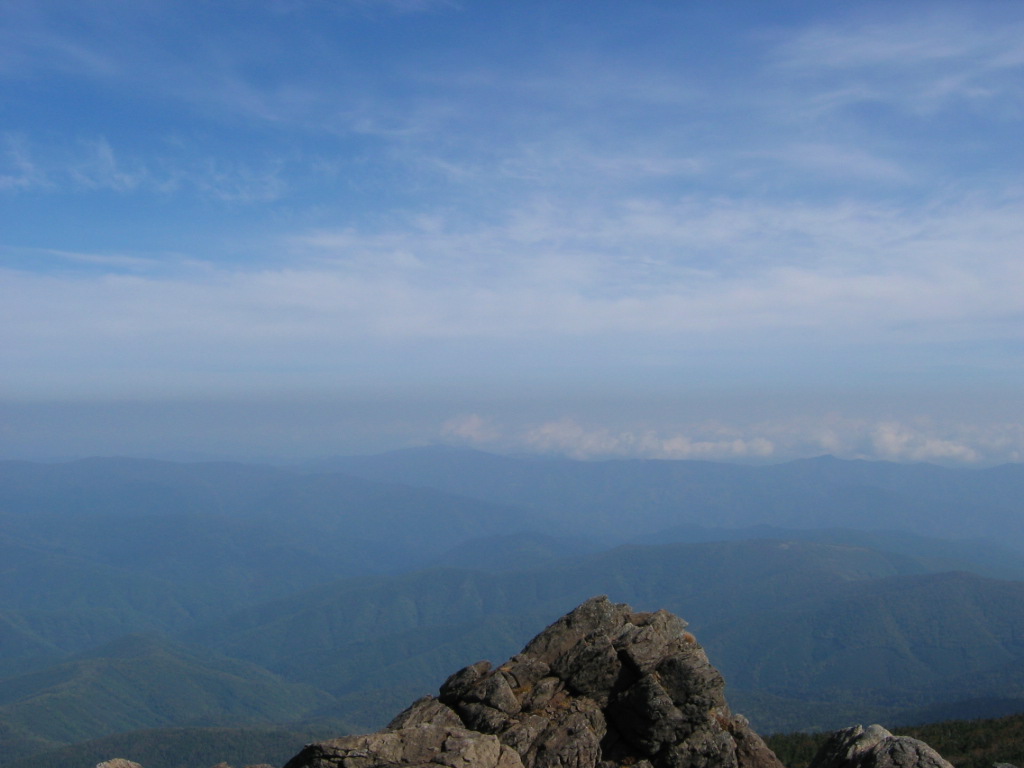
[[745, 232]]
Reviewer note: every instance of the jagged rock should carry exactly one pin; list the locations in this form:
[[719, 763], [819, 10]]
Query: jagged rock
[[875, 747], [118, 762], [425, 711], [603, 686]]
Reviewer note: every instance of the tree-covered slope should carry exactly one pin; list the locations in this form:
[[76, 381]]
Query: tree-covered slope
[[95, 549], [702, 582], [795, 626], [143, 682]]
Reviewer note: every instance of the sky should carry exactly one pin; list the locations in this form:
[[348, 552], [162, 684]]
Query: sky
[[739, 231]]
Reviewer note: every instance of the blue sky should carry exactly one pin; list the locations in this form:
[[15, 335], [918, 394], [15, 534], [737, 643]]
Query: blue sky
[[742, 231]]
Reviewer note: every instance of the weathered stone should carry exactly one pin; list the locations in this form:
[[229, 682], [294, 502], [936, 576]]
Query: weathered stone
[[541, 694], [751, 751], [598, 615], [875, 747], [524, 672], [426, 710], [692, 683], [494, 691], [569, 742], [710, 747], [526, 730], [591, 667], [420, 745], [118, 762], [483, 718], [456, 686], [648, 639]]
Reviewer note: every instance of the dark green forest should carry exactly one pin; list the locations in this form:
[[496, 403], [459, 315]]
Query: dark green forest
[[964, 743]]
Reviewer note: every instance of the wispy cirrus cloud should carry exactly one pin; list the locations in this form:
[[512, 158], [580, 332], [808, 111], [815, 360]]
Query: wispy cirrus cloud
[[437, 302], [29, 45], [649, 266], [701, 273], [850, 163], [93, 164], [918, 63], [98, 168], [19, 170]]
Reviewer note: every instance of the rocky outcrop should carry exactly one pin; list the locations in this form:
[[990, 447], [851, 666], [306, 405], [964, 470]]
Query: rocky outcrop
[[118, 762], [425, 745], [875, 747], [603, 686]]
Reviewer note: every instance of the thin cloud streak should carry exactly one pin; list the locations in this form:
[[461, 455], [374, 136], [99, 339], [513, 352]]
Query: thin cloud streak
[[19, 171], [853, 276], [91, 165], [920, 64], [849, 438]]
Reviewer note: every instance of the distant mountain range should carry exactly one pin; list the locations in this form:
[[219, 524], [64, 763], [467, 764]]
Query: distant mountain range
[[647, 496], [141, 594]]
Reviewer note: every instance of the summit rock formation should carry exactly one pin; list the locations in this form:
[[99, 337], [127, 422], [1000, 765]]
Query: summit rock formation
[[603, 686]]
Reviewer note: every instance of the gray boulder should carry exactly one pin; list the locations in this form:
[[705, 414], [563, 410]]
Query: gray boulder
[[875, 747], [424, 745], [603, 686]]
